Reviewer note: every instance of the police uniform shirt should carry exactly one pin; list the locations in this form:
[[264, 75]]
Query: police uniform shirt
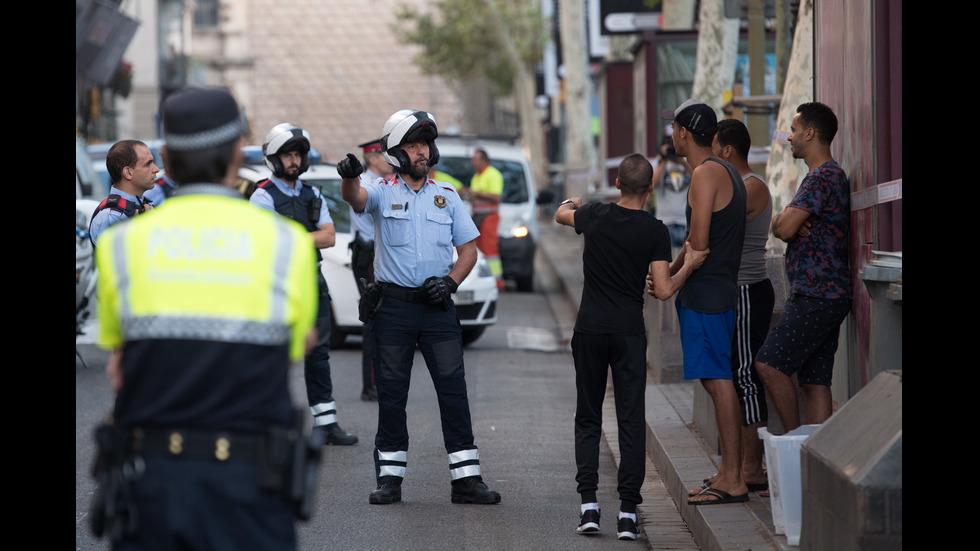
[[362, 223], [211, 299], [157, 194], [416, 231], [262, 198], [107, 217]]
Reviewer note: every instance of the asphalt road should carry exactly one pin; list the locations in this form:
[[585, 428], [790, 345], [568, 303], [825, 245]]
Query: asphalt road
[[522, 398]]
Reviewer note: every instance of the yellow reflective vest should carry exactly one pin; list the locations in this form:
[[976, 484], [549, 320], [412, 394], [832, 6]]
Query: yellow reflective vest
[[207, 266]]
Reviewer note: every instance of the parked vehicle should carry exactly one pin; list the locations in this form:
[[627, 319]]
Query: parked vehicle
[[518, 228], [476, 298]]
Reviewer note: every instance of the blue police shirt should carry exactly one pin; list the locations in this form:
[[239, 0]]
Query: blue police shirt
[[156, 195], [416, 231], [261, 198], [107, 217]]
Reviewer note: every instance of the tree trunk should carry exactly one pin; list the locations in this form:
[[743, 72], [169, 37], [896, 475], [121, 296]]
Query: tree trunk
[[532, 136], [717, 48], [783, 172], [580, 159]]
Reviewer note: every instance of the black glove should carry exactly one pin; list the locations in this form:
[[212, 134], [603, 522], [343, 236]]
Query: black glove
[[438, 289], [349, 167]]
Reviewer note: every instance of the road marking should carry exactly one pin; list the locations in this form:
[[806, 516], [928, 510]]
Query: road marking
[[532, 338]]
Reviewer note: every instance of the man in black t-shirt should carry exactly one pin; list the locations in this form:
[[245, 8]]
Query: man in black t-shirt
[[623, 244]]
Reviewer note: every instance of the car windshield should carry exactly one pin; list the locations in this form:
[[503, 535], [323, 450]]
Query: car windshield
[[515, 186]]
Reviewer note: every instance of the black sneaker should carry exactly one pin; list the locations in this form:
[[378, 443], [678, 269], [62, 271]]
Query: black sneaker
[[626, 529], [589, 523], [472, 490], [386, 493], [338, 436]]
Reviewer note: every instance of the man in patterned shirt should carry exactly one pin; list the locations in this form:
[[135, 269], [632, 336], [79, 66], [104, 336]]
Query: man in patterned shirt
[[816, 228]]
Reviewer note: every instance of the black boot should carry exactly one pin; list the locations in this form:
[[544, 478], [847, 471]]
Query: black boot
[[386, 493], [337, 436], [472, 490]]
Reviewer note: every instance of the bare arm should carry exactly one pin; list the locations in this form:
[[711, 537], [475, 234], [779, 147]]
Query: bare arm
[[325, 236], [791, 223], [701, 198], [113, 369], [466, 254], [566, 211], [662, 283]]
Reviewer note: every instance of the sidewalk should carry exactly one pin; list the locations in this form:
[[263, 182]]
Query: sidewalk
[[674, 447]]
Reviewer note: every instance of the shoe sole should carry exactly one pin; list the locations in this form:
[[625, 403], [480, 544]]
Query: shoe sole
[[626, 535], [338, 443], [588, 529], [490, 501], [377, 501]]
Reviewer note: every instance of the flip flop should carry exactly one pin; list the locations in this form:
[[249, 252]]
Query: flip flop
[[761, 487], [723, 497]]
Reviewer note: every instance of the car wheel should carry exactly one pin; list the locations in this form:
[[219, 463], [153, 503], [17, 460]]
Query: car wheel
[[470, 334]]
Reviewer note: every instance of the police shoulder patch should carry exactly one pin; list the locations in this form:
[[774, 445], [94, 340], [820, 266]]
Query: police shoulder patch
[[440, 201]]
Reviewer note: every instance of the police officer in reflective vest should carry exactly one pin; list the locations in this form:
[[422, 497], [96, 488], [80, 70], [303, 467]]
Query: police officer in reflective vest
[[287, 154], [204, 303], [418, 221], [132, 170]]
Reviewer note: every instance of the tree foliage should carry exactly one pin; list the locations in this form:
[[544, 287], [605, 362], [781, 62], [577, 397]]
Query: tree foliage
[[462, 39]]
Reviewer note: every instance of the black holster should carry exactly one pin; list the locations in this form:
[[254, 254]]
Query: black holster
[[371, 297], [290, 465], [362, 257], [116, 468]]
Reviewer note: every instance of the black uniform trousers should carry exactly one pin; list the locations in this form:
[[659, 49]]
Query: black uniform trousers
[[362, 264], [316, 367], [397, 329], [204, 504]]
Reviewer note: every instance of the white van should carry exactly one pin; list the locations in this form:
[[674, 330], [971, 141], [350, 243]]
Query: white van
[[518, 227]]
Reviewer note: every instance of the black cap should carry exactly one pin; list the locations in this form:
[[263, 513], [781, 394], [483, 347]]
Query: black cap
[[200, 118], [695, 116]]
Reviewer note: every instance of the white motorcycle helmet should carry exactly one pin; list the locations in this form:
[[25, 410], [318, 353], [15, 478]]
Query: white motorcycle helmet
[[282, 138], [405, 126]]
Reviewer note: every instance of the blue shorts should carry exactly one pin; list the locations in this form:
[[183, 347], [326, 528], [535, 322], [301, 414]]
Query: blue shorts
[[706, 340], [805, 339]]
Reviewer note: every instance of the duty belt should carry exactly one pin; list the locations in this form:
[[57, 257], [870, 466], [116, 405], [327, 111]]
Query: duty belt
[[408, 294], [199, 444]]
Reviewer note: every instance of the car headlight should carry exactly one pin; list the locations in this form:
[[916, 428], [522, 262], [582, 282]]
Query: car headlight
[[483, 268]]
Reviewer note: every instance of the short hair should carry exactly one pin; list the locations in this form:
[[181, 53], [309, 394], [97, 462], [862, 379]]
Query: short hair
[[200, 166], [482, 153], [120, 155], [819, 117], [734, 133], [699, 140], [635, 174]]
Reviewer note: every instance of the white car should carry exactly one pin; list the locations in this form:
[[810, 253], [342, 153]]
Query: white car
[[518, 227], [476, 298]]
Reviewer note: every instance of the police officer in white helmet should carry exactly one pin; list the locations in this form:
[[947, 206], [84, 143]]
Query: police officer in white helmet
[[412, 304], [287, 153]]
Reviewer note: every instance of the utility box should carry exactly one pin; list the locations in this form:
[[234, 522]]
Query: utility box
[[852, 473]]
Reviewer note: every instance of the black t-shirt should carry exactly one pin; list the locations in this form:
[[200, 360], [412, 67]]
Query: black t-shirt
[[620, 244]]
